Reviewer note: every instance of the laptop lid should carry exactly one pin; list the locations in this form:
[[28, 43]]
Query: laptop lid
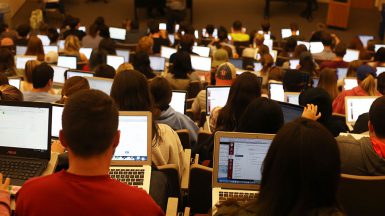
[[316, 47], [178, 101], [238, 158], [44, 39], [341, 73], [86, 51], [82, 28], [71, 73], [157, 63], [292, 97], [117, 33], [315, 82], [166, 52], [351, 55], [276, 91], [56, 119], [59, 74], [22, 59], [258, 66], [135, 139], [307, 44], [200, 63], [15, 81], [290, 111], [124, 53], [26, 129], [350, 83], [20, 50], [357, 105], [236, 62], [102, 84], [48, 49], [285, 33], [60, 44], [162, 26], [378, 46], [216, 96], [380, 70], [115, 61], [293, 63], [67, 61], [365, 39], [201, 50]]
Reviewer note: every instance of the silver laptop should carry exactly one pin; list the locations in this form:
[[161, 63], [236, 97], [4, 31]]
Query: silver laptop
[[238, 159], [350, 83], [71, 73], [276, 91], [157, 63], [200, 63], [56, 120], [20, 60], [58, 74], [355, 106], [292, 97], [131, 162], [166, 52], [15, 81], [102, 84], [115, 61], [178, 101], [201, 50], [67, 61]]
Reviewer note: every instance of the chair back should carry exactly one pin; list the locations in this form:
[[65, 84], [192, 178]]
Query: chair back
[[200, 189], [184, 136], [193, 89]]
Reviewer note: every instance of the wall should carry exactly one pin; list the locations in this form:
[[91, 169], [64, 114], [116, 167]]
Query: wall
[[14, 4]]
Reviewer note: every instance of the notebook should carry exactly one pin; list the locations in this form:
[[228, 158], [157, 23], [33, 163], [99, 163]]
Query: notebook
[[71, 73], [56, 118], [350, 83], [25, 147], [115, 61], [276, 91], [200, 63], [59, 74], [20, 60], [102, 84], [237, 163], [355, 106], [216, 96], [157, 63], [15, 81], [201, 50], [67, 61], [133, 154], [291, 111], [178, 101], [166, 52], [292, 97], [117, 33]]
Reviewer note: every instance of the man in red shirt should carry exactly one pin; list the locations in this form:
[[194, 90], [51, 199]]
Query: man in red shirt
[[90, 134]]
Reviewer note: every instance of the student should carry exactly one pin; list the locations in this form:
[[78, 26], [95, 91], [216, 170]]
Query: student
[[296, 178], [35, 48], [23, 31], [105, 71], [181, 72], [10, 93], [237, 35], [141, 63], [327, 53], [307, 64], [92, 39], [223, 42], [328, 82], [145, 44], [42, 81], [72, 86], [90, 134], [162, 93], [74, 24], [381, 83], [7, 62], [159, 38], [366, 156], [72, 47], [338, 61]]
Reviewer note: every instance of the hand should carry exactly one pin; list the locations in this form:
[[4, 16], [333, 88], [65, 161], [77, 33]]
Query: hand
[[4, 187], [310, 112], [57, 147]]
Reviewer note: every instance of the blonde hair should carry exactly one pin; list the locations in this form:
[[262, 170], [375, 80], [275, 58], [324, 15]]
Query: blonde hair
[[328, 82], [123, 67], [369, 85], [72, 45], [29, 66], [145, 44]]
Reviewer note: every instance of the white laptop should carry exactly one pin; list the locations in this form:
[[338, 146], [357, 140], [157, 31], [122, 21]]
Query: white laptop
[[115, 61], [201, 50], [200, 63], [124, 53], [44, 39], [56, 120], [49, 48], [82, 28], [117, 33], [350, 82], [86, 51], [238, 159], [316, 47], [71, 73], [166, 52], [276, 92], [102, 84], [131, 162], [258, 66], [216, 96], [61, 44], [365, 39], [20, 60], [315, 82], [157, 63], [341, 73], [67, 61], [162, 26], [378, 46], [178, 101], [59, 74], [268, 43], [307, 44], [292, 97], [287, 33], [15, 81], [351, 55], [355, 106], [293, 63], [380, 70], [20, 50]]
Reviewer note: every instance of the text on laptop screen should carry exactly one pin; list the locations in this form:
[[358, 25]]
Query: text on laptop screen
[[115, 61], [357, 106], [178, 101], [380, 70], [24, 127], [341, 73], [21, 60], [365, 39], [48, 49], [276, 91], [124, 53], [78, 73], [350, 83], [166, 52], [14, 82], [157, 63], [240, 160], [200, 63], [290, 111], [216, 97], [57, 112], [20, 50], [101, 84], [133, 139], [67, 61], [58, 74], [201, 50], [351, 55], [117, 33], [86, 51]]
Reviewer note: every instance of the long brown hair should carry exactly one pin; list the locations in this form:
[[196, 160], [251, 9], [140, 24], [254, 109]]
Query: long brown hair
[[35, 47], [328, 82]]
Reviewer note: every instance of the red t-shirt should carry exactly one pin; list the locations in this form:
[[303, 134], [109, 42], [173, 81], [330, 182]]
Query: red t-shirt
[[64, 194]]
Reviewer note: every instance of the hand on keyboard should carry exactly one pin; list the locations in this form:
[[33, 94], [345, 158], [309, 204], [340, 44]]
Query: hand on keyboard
[[4, 187]]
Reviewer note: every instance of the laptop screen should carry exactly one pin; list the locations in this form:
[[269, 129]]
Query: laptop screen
[[166, 52], [72, 73], [307, 44], [86, 51], [365, 39], [316, 47], [258, 66], [157, 63], [292, 97], [240, 160], [216, 96], [201, 50], [44, 39], [124, 53], [14, 81], [293, 63], [101, 84], [58, 74], [200, 63], [350, 83], [57, 111], [115, 61], [48, 49], [21, 60], [378, 46], [276, 91], [290, 111], [351, 55], [315, 82], [236, 62], [178, 101], [355, 106], [67, 61], [133, 138], [341, 73], [117, 33], [20, 50], [380, 70]]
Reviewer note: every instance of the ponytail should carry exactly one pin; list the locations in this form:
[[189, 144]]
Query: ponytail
[[369, 85]]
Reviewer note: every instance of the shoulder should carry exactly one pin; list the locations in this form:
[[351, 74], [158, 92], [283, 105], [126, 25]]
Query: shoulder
[[39, 183], [165, 129]]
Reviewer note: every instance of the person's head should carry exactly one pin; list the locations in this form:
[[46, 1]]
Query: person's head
[[245, 88], [90, 125], [366, 79], [145, 44], [7, 60], [220, 56], [294, 28], [99, 21], [74, 23], [105, 71], [10, 93], [222, 33], [356, 44], [124, 67], [321, 98], [265, 25], [276, 73], [7, 42], [187, 42], [377, 118], [53, 35], [141, 63], [290, 45], [340, 50], [352, 69], [162, 93], [380, 55], [108, 45], [326, 39], [295, 80], [210, 29], [35, 47], [72, 86], [296, 178], [131, 92], [259, 38], [328, 82], [23, 30], [225, 74], [381, 83], [93, 30], [153, 26], [72, 44], [181, 65], [299, 49], [237, 26], [42, 77], [29, 67], [267, 62], [306, 62], [262, 115], [98, 57]]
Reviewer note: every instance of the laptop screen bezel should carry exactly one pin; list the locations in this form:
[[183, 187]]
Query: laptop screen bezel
[[78, 71], [291, 106]]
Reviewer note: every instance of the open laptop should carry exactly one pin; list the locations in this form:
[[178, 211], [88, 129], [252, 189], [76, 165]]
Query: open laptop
[[56, 118], [258, 66], [49, 48], [86, 51], [71, 73], [292, 97], [291, 111], [15, 81], [365, 39], [351, 55], [378, 46], [380, 70], [341, 73], [178, 101], [20, 50], [59, 74], [201, 50], [157, 63], [115, 61], [22, 59], [236, 62], [44, 39], [216, 96], [124, 53], [200, 63], [67, 61], [166, 52], [117, 33], [25, 147], [316, 47], [102, 84], [276, 91], [350, 82], [293, 63], [131, 162], [307, 44], [238, 158], [355, 106]]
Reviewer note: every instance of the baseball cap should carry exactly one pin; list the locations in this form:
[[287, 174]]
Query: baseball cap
[[220, 56], [364, 70], [225, 74]]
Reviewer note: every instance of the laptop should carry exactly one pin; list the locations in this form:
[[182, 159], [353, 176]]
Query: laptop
[[293, 63], [56, 118], [25, 147], [44, 39], [20, 50], [71, 73], [82, 28], [48, 49], [131, 162], [162, 26], [315, 82], [124, 53], [59, 74], [276, 91], [258, 66], [292, 97], [61, 44], [365, 39], [341, 73], [115, 61], [200, 63], [157, 63], [201, 50], [166, 52], [15, 81], [307, 44], [350, 82], [236, 62], [117, 33], [22, 59], [378, 46], [355, 106], [102, 84], [86, 51], [316, 47], [216, 96], [290, 111], [178, 101], [380, 70], [351, 55], [67, 61], [287, 33], [238, 158]]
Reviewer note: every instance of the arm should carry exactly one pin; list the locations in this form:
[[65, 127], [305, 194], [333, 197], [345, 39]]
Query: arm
[[5, 198]]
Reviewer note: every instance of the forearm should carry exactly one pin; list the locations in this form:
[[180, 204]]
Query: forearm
[[5, 201]]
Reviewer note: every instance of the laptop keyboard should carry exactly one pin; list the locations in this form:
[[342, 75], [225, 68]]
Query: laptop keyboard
[[133, 177], [23, 170], [241, 197]]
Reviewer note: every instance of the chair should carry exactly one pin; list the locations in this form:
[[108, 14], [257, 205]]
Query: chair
[[193, 89], [362, 195], [202, 119], [189, 103], [171, 171], [184, 136], [203, 136], [172, 206]]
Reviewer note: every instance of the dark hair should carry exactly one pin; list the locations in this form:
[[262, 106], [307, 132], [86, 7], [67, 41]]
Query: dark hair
[[298, 50], [41, 75], [290, 45], [181, 65], [98, 57], [23, 30], [104, 32], [295, 81], [187, 42], [3, 80], [340, 50], [380, 55], [296, 178], [162, 92], [319, 97], [99, 21], [381, 83], [93, 30], [108, 45], [265, 25], [294, 26], [90, 123], [326, 39], [245, 88], [141, 63], [105, 71], [10, 93], [53, 35], [210, 29], [7, 60], [72, 86], [74, 22], [222, 33], [306, 63], [262, 115], [134, 24], [35, 47], [153, 26], [237, 25], [377, 116]]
